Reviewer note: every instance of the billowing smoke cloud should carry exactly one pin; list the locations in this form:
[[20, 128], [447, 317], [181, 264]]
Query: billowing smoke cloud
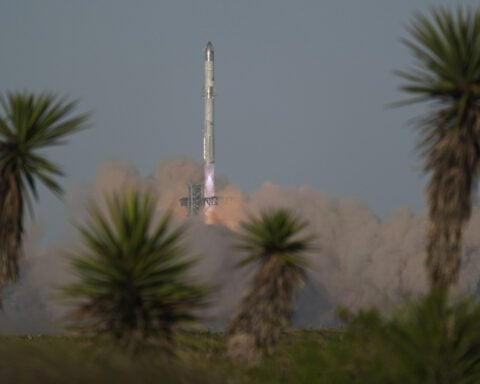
[[30, 306], [360, 260]]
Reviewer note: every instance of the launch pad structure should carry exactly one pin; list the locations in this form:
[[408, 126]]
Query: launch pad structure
[[196, 201], [202, 196]]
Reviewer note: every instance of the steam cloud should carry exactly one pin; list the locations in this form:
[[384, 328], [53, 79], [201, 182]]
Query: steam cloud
[[360, 260]]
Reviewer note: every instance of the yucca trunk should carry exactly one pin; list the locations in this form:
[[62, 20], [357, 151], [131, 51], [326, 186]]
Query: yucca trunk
[[265, 310], [453, 161], [11, 227]]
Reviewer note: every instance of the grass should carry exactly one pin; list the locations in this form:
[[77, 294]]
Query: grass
[[427, 342], [200, 359]]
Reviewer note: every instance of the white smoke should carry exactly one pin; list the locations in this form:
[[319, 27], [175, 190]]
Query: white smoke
[[360, 260], [30, 306]]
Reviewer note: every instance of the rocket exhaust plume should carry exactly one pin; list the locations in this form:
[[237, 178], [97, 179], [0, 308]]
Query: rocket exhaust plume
[[209, 180], [208, 130]]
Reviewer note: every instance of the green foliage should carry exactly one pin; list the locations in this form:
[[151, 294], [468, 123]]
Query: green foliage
[[428, 342], [31, 123], [54, 359], [447, 67], [132, 273], [425, 342], [274, 240], [446, 72], [28, 124], [275, 233], [200, 359]]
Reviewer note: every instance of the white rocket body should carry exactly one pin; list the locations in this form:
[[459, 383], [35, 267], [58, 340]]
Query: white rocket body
[[208, 130]]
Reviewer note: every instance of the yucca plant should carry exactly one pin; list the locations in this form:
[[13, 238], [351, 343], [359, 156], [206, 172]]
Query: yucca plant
[[132, 273], [28, 124], [275, 241], [446, 73]]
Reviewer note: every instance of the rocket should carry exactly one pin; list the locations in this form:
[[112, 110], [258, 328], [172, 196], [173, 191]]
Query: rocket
[[208, 130], [209, 94], [204, 195]]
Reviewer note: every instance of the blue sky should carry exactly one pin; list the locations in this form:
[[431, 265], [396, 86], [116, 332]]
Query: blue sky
[[302, 88]]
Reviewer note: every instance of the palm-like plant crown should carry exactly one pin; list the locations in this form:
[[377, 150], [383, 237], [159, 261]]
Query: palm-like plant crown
[[275, 233], [447, 67], [274, 240], [447, 73], [28, 124], [132, 273]]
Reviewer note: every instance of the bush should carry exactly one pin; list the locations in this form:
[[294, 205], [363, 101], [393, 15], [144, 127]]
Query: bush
[[132, 273], [430, 341]]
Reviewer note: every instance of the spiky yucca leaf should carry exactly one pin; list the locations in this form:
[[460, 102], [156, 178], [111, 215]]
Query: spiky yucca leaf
[[446, 72], [275, 232], [274, 240], [132, 272], [28, 124]]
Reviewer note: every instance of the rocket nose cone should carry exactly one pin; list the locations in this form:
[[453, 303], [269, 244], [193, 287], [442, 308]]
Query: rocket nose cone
[[209, 52]]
